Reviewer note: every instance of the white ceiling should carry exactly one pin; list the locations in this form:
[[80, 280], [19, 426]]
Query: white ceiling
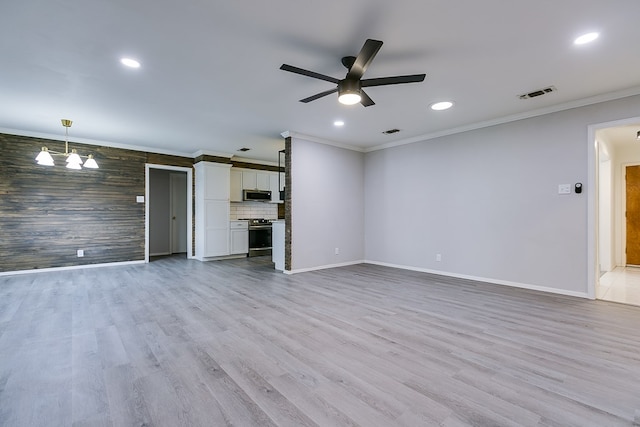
[[210, 77]]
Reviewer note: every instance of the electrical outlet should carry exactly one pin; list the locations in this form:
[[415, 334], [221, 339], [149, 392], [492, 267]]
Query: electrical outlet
[[337, 251], [80, 253], [438, 257], [564, 189]]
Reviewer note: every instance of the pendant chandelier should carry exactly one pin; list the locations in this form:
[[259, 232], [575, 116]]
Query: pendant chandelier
[[73, 159]]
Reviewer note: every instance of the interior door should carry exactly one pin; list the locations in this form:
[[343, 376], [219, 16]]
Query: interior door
[[633, 214], [178, 192]]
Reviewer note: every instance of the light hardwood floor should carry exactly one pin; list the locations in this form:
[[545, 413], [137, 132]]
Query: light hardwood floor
[[185, 343]]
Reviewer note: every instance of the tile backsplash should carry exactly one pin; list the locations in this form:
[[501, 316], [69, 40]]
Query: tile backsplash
[[253, 210]]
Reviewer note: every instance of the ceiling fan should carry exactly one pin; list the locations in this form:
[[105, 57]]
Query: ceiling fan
[[350, 88]]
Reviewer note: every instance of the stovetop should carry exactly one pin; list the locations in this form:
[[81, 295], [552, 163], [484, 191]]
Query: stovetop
[[256, 221]]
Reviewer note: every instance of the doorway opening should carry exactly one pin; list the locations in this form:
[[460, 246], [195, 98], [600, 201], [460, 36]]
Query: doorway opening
[[617, 209], [168, 211]]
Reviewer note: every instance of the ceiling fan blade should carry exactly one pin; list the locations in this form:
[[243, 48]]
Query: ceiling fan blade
[[366, 101], [319, 95], [308, 73], [364, 58], [382, 81]]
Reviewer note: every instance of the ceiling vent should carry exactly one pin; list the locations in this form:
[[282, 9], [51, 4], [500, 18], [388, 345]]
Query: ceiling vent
[[390, 131], [538, 92]]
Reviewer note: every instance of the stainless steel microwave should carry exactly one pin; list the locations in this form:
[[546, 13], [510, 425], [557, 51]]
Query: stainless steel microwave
[[256, 195]]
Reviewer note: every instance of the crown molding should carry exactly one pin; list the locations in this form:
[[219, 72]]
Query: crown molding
[[297, 135], [512, 118], [94, 142]]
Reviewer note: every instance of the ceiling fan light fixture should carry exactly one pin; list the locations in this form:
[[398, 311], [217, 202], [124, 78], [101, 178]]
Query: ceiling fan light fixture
[[349, 92], [349, 98]]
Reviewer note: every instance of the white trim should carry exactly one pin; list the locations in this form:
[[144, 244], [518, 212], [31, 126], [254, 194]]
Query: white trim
[[96, 142], [254, 161], [210, 153], [310, 138], [593, 202], [189, 172], [323, 267], [484, 279], [511, 118], [71, 267]]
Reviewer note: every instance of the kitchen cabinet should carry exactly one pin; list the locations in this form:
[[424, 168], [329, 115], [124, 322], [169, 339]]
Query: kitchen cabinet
[[255, 180], [277, 242], [275, 186], [236, 185], [212, 209], [249, 180], [239, 237], [263, 181]]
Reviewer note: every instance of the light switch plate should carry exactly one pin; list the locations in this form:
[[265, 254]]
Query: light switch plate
[[564, 189], [140, 199]]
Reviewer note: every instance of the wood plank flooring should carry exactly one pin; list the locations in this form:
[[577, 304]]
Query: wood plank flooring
[[234, 343]]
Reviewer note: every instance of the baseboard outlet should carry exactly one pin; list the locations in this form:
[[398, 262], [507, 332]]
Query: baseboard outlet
[[485, 280], [70, 267]]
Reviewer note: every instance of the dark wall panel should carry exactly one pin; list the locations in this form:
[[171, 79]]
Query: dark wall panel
[[47, 213]]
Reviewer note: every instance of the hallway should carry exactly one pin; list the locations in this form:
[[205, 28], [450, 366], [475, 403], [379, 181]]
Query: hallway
[[620, 285]]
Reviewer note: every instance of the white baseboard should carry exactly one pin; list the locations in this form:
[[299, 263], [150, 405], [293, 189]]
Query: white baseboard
[[322, 267], [71, 267], [485, 280]]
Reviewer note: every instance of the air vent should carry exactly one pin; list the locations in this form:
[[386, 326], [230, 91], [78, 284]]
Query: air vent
[[538, 92], [244, 149], [390, 131]]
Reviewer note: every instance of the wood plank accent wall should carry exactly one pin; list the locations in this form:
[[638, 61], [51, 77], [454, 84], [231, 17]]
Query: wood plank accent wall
[[47, 213]]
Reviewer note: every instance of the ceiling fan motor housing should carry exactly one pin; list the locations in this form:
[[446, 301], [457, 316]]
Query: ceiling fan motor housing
[[349, 86]]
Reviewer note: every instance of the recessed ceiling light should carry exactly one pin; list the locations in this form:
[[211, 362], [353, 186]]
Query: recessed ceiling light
[[132, 63], [444, 105], [338, 123], [586, 38]]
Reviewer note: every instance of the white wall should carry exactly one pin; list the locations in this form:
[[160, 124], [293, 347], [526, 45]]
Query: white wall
[[327, 205], [487, 201]]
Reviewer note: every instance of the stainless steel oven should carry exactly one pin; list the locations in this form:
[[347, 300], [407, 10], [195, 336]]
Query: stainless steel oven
[[259, 236]]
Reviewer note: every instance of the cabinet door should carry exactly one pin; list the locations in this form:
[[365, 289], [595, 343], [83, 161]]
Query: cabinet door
[[263, 181], [239, 242], [275, 188], [216, 185], [236, 186], [216, 228], [249, 180]]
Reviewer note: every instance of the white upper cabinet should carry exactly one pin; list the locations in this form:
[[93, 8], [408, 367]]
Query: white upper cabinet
[[249, 180], [236, 185], [263, 181], [275, 187]]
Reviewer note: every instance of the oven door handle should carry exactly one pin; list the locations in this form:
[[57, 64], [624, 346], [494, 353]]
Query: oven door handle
[[259, 227]]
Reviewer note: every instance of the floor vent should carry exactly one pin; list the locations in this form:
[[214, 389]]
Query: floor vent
[[538, 92], [390, 131]]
